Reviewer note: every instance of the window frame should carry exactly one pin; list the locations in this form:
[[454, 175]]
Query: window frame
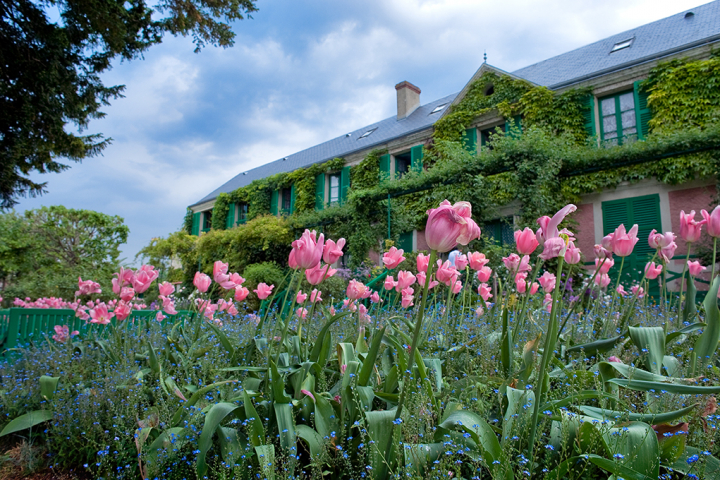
[[405, 157], [242, 212], [206, 221], [335, 175], [618, 118], [282, 208]]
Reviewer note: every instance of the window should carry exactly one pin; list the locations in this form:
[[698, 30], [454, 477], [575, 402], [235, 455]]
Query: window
[[621, 45], [242, 212], [618, 120], [500, 231], [438, 108], [486, 138], [286, 199], [403, 162], [367, 133], [335, 188], [207, 220]]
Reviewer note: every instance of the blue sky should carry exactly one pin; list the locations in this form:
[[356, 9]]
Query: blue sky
[[301, 73]]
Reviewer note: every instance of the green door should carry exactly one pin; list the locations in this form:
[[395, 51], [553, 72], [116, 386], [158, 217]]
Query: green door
[[645, 211], [405, 241]]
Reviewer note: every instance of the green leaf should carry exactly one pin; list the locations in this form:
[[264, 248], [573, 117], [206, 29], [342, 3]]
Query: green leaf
[[672, 366], [690, 308], [418, 456], [286, 426], [325, 418], [153, 361], [689, 329], [174, 388], [317, 348], [48, 385], [653, 418], [28, 420], [479, 430], [180, 412], [213, 419], [371, 357], [707, 343], [231, 446], [617, 469], [598, 346], [650, 340], [711, 469], [639, 445], [266, 459], [224, 340], [257, 431], [278, 385], [516, 415], [313, 439], [506, 350], [171, 437], [646, 386], [380, 429]]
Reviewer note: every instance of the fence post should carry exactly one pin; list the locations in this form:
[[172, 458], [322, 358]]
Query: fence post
[[13, 329]]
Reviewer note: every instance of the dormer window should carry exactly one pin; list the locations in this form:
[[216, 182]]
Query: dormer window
[[621, 45]]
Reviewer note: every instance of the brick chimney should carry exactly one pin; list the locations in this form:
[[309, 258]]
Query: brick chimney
[[408, 99]]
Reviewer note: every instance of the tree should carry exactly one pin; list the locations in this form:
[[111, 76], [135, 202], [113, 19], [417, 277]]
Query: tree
[[49, 72], [44, 251]]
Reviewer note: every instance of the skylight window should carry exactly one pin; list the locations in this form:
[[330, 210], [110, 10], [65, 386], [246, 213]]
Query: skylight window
[[438, 108], [367, 133], [621, 45]]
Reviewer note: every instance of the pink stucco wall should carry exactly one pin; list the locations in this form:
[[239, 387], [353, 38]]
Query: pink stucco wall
[[585, 230], [421, 243]]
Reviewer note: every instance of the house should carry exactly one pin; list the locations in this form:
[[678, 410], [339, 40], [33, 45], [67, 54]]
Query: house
[[617, 112]]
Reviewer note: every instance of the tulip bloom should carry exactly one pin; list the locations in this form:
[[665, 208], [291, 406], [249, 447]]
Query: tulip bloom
[[263, 291], [525, 241], [548, 235], [623, 242], [390, 282], [457, 287], [124, 277], [241, 293], [349, 304], [572, 254], [602, 279], [484, 291], [100, 314], [614, 359], [449, 225], [202, 282], [375, 297], [601, 252], [363, 315], [127, 294], [166, 289], [308, 250], [300, 297], [695, 268], [621, 291], [421, 276], [87, 287], [484, 274], [477, 260], [713, 221], [393, 258], [292, 263], [548, 281], [652, 271], [446, 273], [422, 262], [62, 333], [356, 290], [461, 262], [122, 311], [534, 287], [168, 306], [315, 296], [333, 251], [606, 265], [407, 301], [520, 284], [637, 289], [479, 312], [316, 275], [302, 313], [219, 268], [690, 229], [405, 279]]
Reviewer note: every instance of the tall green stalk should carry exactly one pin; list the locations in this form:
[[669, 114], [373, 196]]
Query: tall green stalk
[[521, 318], [714, 252], [682, 286]]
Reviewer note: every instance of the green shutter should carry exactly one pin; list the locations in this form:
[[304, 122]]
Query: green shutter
[[405, 241], [384, 167], [416, 158], [642, 111], [320, 192], [516, 121], [274, 202], [230, 219], [589, 116], [292, 199], [196, 223], [344, 184], [470, 140]]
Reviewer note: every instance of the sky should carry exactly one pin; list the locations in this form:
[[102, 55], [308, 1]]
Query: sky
[[302, 73]]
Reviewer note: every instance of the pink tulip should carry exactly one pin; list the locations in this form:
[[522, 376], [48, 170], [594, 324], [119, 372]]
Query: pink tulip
[[202, 282], [449, 225], [302, 313], [547, 302], [63, 334], [695, 268], [405, 279], [166, 289], [621, 291], [614, 359], [422, 262], [421, 280], [512, 262], [333, 251], [144, 277], [389, 282], [690, 229], [624, 242], [169, 306], [350, 304], [263, 291], [713, 221], [308, 250], [652, 271], [572, 254], [315, 296], [393, 258], [332, 310], [667, 253], [534, 288], [307, 394], [606, 265], [484, 274], [477, 260], [219, 268], [548, 281], [457, 287], [461, 262], [159, 316], [236, 280], [356, 290], [122, 311], [637, 290], [316, 275], [87, 287], [548, 235], [485, 291], [123, 277], [603, 280], [127, 294], [601, 252], [241, 293], [363, 314], [446, 273], [375, 297], [100, 315], [659, 240], [407, 301], [300, 297], [479, 312], [520, 282], [525, 241], [292, 263]]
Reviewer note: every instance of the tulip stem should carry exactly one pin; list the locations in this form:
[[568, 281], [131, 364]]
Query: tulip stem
[[615, 294], [712, 276], [682, 285], [628, 313], [521, 318]]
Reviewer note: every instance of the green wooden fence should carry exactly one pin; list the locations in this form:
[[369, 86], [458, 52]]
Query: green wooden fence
[[22, 326]]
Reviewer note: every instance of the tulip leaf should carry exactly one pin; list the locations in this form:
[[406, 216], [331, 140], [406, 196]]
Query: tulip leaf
[[479, 431], [506, 350], [231, 445], [598, 346], [325, 418], [516, 415], [266, 459], [313, 439], [617, 469], [672, 365], [256, 430], [213, 418], [638, 443], [645, 386], [689, 329], [278, 385], [369, 362], [418, 456], [711, 469], [180, 412], [28, 420], [380, 430], [654, 418], [224, 340], [48, 385], [319, 341], [707, 343], [651, 343], [690, 309]]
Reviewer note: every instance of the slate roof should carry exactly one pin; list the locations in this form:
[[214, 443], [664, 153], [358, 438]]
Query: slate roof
[[652, 41], [386, 130], [657, 39]]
